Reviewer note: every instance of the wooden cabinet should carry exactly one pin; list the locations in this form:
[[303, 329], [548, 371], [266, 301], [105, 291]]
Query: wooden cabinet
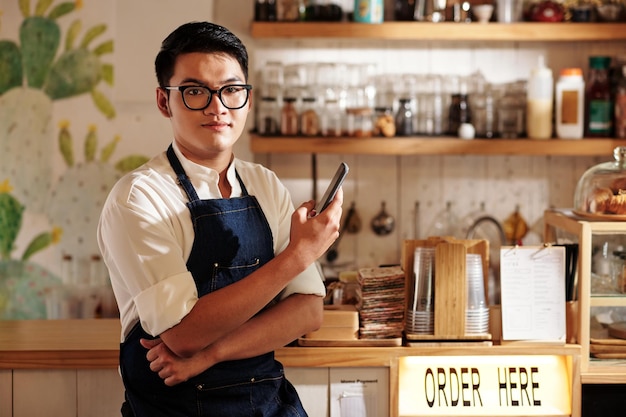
[[583, 232], [433, 146], [445, 31]]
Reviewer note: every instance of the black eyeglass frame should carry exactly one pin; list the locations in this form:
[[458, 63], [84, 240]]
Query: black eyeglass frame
[[212, 92]]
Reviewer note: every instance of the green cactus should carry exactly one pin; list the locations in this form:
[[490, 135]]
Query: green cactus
[[91, 143], [75, 72], [39, 37], [10, 220], [10, 66], [61, 10], [65, 143], [42, 241], [11, 215], [109, 148]]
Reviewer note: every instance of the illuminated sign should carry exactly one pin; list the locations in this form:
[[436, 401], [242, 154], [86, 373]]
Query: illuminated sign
[[485, 386]]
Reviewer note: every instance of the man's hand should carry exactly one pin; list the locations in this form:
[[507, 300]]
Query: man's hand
[[172, 369], [312, 236]]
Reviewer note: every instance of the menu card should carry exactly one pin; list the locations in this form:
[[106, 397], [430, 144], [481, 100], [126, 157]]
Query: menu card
[[532, 280]]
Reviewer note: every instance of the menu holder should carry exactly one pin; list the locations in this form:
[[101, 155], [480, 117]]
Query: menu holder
[[532, 283]]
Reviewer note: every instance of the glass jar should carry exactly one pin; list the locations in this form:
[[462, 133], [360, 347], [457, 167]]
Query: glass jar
[[359, 121], [267, 117], [510, 120], [601, 191], [384, 124], [331, 119], [309, 117], [289, 117]]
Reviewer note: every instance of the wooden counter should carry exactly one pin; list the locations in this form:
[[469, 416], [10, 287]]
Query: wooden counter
[[75, 359], [94, 344]]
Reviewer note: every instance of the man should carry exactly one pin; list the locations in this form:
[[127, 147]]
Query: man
[[211, 266]]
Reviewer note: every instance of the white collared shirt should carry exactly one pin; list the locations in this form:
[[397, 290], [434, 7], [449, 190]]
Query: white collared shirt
[[146, 234]]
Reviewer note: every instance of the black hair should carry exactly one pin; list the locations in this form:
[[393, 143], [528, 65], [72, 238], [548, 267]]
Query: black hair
[[198, 37]]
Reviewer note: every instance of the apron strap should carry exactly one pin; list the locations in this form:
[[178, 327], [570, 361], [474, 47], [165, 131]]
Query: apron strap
[[181, 175]]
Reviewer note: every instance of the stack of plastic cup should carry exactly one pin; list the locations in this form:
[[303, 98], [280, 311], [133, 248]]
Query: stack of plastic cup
[[420, 315], [477, 310]]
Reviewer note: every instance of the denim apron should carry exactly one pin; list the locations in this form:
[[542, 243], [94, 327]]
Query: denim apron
[[232, 239]]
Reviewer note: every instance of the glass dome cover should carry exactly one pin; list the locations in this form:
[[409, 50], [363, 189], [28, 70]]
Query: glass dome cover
[[601, 191]]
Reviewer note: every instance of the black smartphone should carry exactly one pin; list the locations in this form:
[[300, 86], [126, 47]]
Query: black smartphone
[[334, 185]]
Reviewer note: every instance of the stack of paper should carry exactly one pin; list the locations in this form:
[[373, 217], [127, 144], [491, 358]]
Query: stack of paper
[[381, 309]]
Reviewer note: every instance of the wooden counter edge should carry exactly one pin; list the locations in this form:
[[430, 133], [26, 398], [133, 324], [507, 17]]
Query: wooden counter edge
[[94, 344]]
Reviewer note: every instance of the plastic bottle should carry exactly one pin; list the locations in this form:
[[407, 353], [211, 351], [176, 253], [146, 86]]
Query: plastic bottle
[[539, 99], [620, 106], [598, 104], [570, 99]]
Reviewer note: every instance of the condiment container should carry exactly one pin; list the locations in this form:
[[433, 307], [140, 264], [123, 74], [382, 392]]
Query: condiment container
[[539, 98], [309, 117], [620, 106], [289, 117], [267, 116], [601, 190], [369, 11], [598, 103], [570, 100], [404, 118], [359, 121]]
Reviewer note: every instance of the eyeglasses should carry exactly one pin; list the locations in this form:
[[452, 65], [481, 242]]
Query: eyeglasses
[[196, 97]]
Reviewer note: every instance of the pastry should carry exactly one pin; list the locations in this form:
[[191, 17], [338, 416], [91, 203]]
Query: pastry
[[599, 200]]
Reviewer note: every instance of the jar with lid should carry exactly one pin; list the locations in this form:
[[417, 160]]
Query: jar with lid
[[482, 104], [570, 100], [601, 190], [620, 106], [359, 121], [404, 118], [384, 123], [309, 117], [289, 117], [267, 117], [331, 119], [290, 10], [598, 103]]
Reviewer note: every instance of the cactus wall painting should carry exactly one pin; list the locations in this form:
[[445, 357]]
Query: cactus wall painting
[[45, 65], [51, 64], [23, 283], [79, 194]]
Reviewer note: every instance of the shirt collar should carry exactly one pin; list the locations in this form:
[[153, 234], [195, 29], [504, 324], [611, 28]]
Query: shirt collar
[[205, 180]]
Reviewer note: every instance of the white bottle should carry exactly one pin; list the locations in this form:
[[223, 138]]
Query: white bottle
[[570, 104], [539, 99]]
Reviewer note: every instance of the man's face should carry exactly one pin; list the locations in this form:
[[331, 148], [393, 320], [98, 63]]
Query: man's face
[[204, 135]]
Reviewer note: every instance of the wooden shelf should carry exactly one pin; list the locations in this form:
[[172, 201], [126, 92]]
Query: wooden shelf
[[434, 146], [445, 31]]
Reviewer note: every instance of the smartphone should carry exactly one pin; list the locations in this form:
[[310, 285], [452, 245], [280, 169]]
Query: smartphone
[[334, 185]]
